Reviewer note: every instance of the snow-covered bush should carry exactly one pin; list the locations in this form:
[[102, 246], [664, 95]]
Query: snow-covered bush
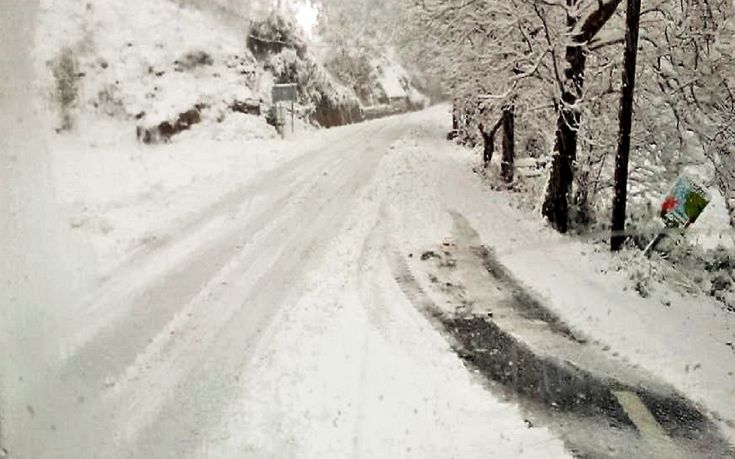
[[720, 266], [643, 223], [641, 283], [687, 266], [273, 35]]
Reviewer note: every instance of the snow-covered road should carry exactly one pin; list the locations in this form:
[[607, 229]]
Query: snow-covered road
[[275, 321], [271, 326]]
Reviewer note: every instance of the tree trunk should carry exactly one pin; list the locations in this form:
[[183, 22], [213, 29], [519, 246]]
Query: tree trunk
[[488, 146], [468, 117], [620, 190], [556, 203], [455, 116], [488, 143], [561, 177], [506, 166]]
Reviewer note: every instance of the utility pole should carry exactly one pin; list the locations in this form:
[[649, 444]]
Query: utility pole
[[620, 190]]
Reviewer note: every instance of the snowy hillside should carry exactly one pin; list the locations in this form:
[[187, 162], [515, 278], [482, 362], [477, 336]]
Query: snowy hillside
[[142, 62], [162, 66]]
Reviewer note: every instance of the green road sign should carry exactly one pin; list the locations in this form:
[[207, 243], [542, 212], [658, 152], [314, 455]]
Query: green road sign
[[684, 204], [284, 93]]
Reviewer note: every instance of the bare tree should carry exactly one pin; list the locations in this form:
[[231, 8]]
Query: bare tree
[[489, 56], [560, 63], [582, 30]]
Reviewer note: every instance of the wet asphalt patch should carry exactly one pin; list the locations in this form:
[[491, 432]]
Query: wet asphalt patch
[[503, 359], [545, 386], [560, 386], [523, 301]]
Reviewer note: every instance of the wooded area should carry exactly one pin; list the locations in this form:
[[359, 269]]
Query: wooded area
[[565, 68]]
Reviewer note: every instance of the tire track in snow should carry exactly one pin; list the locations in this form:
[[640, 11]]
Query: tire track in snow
[[124, 327], [100, 358], [284, 175], [558, 388], [186, 408]]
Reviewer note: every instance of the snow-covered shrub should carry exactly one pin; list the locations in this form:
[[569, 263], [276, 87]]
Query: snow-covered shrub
[[712, 271], [286, 67], [681, 266], [720, 259], [65, 69], [720, 265], [273, 35]]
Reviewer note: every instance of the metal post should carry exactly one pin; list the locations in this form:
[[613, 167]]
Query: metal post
[[652, 245], [292, 117], [281, 119]]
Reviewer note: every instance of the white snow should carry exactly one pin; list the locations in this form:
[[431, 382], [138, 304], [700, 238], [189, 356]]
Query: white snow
[[152, 60], [344, 362], [392, 83], [683, 344], [371, 378], [300, 343], [238, 298]]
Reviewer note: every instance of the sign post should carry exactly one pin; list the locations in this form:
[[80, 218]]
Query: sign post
[[682, 207], [284, 93]]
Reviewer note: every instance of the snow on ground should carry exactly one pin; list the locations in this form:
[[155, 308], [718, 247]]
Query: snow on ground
[[236, 291], [300, 345], [148, 60], [355, 370], [684, 343], [268, 321], [128, 193]]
